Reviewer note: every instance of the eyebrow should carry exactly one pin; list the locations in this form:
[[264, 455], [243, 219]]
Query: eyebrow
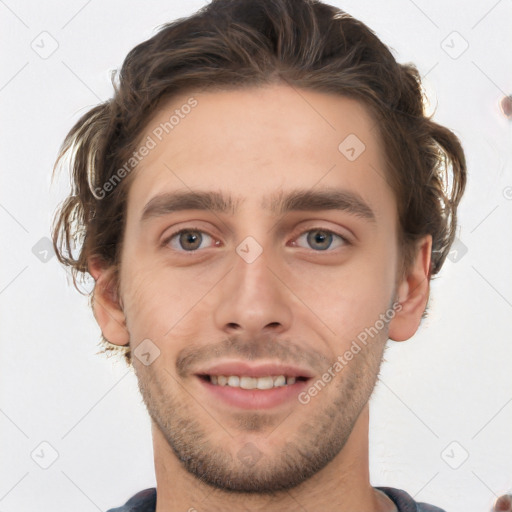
[[278, 204]]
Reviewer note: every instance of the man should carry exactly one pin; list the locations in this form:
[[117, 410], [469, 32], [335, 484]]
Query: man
[[262, 206]]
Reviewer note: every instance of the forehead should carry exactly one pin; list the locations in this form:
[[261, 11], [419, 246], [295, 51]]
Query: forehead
[[255, 141]]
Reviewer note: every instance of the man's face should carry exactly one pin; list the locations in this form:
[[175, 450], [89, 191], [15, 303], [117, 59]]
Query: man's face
[[261, 285]]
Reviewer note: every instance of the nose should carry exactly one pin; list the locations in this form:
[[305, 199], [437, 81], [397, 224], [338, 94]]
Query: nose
[[253, 298]]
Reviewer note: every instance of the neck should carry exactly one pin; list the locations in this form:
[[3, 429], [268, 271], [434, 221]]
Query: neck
[[342, 486]]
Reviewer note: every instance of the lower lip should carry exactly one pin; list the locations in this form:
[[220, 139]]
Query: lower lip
[[255, 398]]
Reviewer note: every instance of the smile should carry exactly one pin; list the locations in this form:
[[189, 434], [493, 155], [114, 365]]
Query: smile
[[245, 382], [245, 392]]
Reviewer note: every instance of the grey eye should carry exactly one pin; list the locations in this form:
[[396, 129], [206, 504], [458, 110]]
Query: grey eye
[[322, 239], [188, 240]]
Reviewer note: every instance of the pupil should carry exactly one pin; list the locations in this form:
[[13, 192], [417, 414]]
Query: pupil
[[190, 237], [320, 237]]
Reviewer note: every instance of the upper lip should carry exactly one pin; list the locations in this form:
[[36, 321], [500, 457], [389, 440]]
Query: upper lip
[[250, 370]]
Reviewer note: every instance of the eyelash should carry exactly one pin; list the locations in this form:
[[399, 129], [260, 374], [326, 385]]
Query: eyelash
[[165, 242]]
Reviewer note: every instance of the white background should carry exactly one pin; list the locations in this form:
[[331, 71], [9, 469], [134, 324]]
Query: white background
[[449, 383]]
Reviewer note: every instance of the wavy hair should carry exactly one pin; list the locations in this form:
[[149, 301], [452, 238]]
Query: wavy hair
[[237, 43]]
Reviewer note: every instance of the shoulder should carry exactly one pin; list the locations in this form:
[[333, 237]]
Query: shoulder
[[143, 501], [405, 503]]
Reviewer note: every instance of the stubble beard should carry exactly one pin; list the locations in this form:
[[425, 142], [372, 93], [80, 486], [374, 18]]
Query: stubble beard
[[253, 468]]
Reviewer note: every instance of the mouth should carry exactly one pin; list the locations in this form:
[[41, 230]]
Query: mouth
[[245, 387], [246, 382]]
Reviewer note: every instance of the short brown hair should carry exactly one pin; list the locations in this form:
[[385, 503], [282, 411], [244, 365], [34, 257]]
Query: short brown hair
[[238, 43]]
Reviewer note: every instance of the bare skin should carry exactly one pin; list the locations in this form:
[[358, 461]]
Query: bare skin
[[303, 300]]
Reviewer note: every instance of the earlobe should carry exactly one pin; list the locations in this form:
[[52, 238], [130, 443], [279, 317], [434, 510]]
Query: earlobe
[[412, 294], [107, 305]]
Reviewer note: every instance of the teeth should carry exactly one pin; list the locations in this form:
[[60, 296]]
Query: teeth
[[252, 382], [247, 382], [233, 381], [280, 381], [264, 383]]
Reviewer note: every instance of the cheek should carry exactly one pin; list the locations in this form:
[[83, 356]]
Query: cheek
[[349, 298], [160, 300], [145, 305]]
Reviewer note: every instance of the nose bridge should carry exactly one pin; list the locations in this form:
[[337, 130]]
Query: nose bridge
[[252, 298]]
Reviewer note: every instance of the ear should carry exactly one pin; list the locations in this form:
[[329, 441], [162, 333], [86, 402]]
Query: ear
[[107, 306], [412, 294]]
